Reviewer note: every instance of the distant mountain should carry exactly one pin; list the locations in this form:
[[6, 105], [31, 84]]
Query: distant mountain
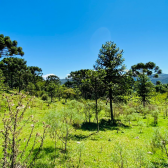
[[162, 77], [63, 81]]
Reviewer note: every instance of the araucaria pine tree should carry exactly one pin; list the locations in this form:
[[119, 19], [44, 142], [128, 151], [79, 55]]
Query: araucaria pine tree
[[143, 84], [110, 59]]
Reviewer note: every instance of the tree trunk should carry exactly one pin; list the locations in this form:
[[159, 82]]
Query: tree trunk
[[96, 105], [11, 77], [19, 84], [144, 104], [111, 107], [89, 116], [97, 117]]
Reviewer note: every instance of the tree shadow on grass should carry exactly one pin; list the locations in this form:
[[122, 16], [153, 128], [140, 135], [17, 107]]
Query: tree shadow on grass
[[153, 124], [158, 165], [8, 91], [49, 152], [80, 137], [43, 165], [103, 125]]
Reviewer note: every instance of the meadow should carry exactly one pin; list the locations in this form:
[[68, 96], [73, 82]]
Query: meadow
[[64, 134]]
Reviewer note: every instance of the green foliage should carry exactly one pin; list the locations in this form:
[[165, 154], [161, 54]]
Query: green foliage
[[9, 47], [110, 59], [13, 70], [147, 69], [119, 156], [13, 126], [144, 88], [130, 110], [36, 73], [136, 117], [95, 80], [2, 78], [52, 85], [68, 93], [31, 88], [53, 119], [143, 85], [51, 89], [88, 106], [120, 144], [129, 118], [141, 125], [44, 97], [160, 141], [53, 79], [108, 84], [155, 115]]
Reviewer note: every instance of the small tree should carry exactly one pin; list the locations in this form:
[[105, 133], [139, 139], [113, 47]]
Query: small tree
[[13, 69], [95, 80], [67, 117], [155, 115], [87, 110], [119, 156], [68, 93], [31, 88], [160, 141], [51, 85], [36, 72], [143, 85], [110, 59], [144, 88], [53, 119], [51, 89]]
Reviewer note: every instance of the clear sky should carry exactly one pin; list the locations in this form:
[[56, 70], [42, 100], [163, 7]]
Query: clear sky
[[63, 36]]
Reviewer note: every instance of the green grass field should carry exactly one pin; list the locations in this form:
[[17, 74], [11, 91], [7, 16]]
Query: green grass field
[[126, 144]]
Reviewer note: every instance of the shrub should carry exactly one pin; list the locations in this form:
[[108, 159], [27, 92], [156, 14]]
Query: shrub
[[13, 123], [155, 115], [141, 125], [136, 117], [159, 141], [119, 156], [44, 97], [129, 118]]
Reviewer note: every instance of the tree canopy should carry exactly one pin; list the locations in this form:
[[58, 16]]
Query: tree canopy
[[9, 47], [143, 85]]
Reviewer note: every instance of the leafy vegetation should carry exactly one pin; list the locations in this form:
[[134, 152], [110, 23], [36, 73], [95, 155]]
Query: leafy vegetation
[[98, 118]]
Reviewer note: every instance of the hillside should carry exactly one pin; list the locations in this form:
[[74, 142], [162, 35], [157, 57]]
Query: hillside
[[63, 81], [162, 77]]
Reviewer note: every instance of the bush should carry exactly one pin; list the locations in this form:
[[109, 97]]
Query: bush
[[44, 97], [155, 115], [160, 141], [14, 125]]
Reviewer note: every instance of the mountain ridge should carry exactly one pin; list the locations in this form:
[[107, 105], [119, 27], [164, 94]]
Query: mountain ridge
[[162, 77]]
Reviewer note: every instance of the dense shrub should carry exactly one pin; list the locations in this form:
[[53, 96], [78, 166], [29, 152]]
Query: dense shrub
[[44, 97]]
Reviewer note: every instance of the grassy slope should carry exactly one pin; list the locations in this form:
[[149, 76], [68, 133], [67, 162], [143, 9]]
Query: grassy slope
[[97, 149]]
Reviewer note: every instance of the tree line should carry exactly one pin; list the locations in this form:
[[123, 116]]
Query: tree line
[[109, 79]]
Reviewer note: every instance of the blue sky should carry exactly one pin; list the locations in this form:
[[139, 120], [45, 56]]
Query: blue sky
[[65, 36]]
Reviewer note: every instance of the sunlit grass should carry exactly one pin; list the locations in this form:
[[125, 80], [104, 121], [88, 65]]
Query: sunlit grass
[[87, 148]]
